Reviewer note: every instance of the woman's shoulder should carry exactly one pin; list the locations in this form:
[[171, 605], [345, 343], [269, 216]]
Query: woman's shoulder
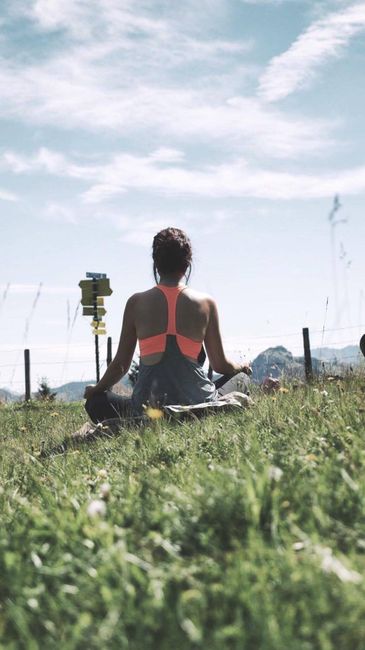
[[141, 296], [189, 293], [198, 296]]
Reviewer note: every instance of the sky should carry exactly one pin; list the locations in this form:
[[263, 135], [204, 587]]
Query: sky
[[238, 121]]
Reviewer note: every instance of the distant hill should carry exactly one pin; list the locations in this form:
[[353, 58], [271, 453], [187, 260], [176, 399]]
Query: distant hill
[[73, 391], [275, 362], [8, 396], [278, 361], [351, 354]]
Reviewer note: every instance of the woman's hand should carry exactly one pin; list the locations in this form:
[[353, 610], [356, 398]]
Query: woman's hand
[[89, 391], [246, 368]]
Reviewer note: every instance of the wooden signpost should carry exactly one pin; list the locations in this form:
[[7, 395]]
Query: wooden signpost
[[93, 291]]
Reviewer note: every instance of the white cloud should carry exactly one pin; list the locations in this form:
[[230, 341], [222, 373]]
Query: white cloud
[[136, 229], [44, 160], [324, 40], [124, 71], [34, 288], [60, 98], [57, 213], [236, 179], [125, 172], [7, 196], [166, 155]]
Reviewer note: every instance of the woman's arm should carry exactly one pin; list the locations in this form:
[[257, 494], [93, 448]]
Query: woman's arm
[[214, 347], [123, 358]]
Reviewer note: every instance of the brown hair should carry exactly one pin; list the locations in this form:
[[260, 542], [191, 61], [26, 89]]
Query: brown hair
[[171, 252]]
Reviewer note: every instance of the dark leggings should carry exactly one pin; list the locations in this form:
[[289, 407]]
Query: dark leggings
[[107, 406]]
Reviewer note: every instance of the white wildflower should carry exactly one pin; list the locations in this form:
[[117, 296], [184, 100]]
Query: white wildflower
[[33, 603], [36, 560], [191, 630], [96, 508], [88, 543], [275, 473], [92, 572], [70, 589], [105, 491]]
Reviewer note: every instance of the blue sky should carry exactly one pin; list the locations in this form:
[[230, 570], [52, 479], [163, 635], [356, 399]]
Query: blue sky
[[236, 120]]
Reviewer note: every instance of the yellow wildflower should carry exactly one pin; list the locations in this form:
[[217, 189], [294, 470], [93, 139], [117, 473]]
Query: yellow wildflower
[[153, 413], [311, 457]]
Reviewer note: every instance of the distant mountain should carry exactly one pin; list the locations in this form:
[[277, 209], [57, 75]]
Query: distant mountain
[[74, 390], [278, 361], [8, 396], [274, 362], [351, 354]]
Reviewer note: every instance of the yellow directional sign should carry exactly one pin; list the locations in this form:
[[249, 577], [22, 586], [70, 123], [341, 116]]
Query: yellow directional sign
[[97, 332], [89, 311], [102, 287], [97, 324]]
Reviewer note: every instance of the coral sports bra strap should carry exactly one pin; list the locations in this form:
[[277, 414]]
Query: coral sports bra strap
[[157, 344], [171, 294]]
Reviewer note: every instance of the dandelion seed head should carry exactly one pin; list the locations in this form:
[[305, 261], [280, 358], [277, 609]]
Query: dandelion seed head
[[275, 473], [105, 490], [96, 508]]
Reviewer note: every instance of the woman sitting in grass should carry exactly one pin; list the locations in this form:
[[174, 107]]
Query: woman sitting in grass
[[171, 322]]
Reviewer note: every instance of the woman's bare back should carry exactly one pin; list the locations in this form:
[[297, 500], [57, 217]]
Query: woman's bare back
[[151, 316]]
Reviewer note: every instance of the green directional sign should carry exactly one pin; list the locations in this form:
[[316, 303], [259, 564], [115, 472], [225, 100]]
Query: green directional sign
[[89, 311], [102, 287]]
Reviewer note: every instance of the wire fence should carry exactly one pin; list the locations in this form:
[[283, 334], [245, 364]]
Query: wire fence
[[12, 372]]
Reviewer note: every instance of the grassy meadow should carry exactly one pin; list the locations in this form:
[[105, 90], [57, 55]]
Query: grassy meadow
[[238, 531]]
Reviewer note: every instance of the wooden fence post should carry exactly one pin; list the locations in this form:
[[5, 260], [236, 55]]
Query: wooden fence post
[[362, 344], [109, 354], [27, 375], [307, 355]]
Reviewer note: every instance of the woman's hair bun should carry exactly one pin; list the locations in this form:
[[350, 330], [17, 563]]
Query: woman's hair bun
[[171, 251]]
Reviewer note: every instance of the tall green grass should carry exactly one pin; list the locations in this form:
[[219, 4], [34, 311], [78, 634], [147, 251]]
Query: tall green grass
[[237, 531]]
